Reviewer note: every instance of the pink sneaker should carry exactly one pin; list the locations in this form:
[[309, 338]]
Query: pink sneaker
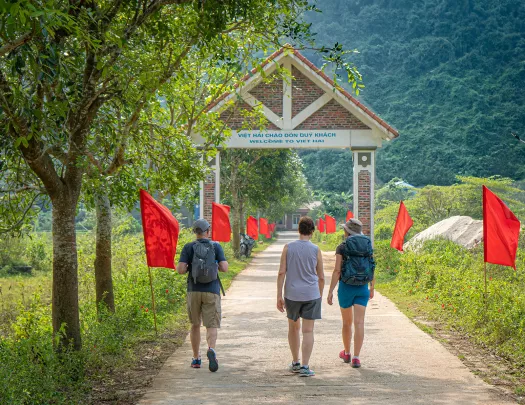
[[356, 363], [345, 357]]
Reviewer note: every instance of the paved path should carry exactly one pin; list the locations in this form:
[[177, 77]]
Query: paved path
[[401, 364]]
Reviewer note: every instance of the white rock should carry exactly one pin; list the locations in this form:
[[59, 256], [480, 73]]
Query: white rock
[[462, 230]]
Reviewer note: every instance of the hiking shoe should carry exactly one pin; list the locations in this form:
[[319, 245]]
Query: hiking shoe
[[196, 363], [345, 357], [214, 363], [306, 372], [356, 363], [294, 367]]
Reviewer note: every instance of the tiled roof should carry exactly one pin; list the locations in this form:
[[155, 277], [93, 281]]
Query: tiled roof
[[320, 73]]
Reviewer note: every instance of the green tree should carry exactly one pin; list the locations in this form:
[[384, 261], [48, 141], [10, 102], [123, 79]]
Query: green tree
[[448, 75], [265, 180], [432, 204], [62, 64], [394, 191], [335, 204]]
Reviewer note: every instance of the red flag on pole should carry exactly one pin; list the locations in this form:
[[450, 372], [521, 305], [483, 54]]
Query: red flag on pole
[[161, 232], [501, 231], [349, 215], [331, 224], [320, 225], [264, 228], [403, 224], [251, 228], [220, 223]]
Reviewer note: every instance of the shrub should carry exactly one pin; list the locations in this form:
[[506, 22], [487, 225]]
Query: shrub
[[451, 279]]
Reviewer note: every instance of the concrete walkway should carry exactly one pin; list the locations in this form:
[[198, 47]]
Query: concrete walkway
[[401, 364]]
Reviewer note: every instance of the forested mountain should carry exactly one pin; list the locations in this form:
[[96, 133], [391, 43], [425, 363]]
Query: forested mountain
[[448, 74]]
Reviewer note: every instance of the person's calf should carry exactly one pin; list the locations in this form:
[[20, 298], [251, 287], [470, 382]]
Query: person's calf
[[195, 338], [211, 337], [308, 340]]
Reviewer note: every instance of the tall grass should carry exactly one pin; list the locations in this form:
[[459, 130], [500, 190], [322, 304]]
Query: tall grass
[[31, 371], [449, 280]]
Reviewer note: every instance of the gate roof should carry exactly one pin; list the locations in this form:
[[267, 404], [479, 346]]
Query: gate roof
[[285, 112]]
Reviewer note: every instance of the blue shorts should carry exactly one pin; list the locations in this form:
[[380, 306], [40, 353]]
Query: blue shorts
[[350, 295]]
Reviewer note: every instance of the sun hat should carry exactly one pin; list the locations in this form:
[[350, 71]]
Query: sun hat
[[353, 226]]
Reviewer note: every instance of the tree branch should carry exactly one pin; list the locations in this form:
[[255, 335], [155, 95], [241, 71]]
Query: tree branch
[[17, 224], [10, 46], [34, 154]]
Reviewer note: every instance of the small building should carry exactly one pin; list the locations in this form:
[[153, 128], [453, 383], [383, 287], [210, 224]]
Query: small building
[[290, 221]]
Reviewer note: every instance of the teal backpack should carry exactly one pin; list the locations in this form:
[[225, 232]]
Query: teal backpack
[[358, 261]]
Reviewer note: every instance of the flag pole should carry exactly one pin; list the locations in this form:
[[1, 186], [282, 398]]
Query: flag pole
[[153, 300], [486, 295]]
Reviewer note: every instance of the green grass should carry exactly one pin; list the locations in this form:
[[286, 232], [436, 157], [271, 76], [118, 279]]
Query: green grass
[[32, 372], [444, 282]]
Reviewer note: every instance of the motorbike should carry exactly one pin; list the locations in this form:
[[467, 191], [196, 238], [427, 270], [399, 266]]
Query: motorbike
[[246, 245]]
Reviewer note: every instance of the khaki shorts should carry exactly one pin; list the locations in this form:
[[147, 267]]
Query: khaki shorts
[[204, 305]]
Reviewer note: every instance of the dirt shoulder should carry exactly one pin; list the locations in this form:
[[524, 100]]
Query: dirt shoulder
[[495, 370]]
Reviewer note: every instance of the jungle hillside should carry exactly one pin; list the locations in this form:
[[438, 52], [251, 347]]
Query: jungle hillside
[[449, 75]]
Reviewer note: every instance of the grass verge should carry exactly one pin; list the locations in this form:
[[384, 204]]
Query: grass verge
[[120, 355]]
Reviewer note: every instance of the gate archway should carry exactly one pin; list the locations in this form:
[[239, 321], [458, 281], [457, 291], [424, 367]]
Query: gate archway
[[307, 112]]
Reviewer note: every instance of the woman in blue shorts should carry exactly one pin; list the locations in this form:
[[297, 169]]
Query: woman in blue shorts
[[352, 300]]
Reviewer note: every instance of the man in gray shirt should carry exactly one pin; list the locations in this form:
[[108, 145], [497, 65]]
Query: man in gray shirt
[[302, 268]]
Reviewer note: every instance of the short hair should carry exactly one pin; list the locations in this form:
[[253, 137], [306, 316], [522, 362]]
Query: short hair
[[306, 226]]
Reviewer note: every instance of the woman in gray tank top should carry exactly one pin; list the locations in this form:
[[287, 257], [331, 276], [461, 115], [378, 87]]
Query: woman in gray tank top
[[301, 273]]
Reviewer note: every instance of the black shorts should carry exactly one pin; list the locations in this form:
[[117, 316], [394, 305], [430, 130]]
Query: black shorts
[[303, 309]]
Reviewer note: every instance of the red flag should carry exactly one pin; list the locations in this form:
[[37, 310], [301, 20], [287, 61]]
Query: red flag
[[331, 224], [320, 225], [161, 232], [403, 224], [263, 226], [251, 228], [220, 223], [501, 231], [349, 215]]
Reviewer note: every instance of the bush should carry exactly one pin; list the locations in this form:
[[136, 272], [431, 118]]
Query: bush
[[31, 371], [451, 279]]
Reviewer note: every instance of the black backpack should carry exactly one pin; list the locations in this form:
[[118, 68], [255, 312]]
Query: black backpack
[[204, 267], [358, 261]]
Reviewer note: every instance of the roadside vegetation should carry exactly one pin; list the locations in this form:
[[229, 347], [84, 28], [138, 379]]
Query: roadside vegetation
[[444, 283], [32, 371]]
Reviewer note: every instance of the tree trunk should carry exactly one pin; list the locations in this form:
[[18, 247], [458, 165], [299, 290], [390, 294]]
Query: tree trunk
[[65, 272], [236, 242], [242, 223], [103, 278]]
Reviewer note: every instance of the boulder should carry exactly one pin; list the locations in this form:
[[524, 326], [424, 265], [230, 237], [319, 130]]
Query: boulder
[[462, 230]]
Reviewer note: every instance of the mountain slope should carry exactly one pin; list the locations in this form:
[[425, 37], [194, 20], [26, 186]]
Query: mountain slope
[[448, 74]]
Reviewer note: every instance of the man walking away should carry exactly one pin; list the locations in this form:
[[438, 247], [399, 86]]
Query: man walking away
[[354, 270], [302, 267], [202, 259]]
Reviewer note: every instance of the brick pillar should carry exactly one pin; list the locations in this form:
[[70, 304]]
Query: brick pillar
[[364, 179], [210, 188]]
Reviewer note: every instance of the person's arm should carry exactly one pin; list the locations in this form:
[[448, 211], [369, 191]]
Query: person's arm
[[336, 275], [223, 266], [320, 271], [280, 280], [373, 282], [182, 266], [221, 259]]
